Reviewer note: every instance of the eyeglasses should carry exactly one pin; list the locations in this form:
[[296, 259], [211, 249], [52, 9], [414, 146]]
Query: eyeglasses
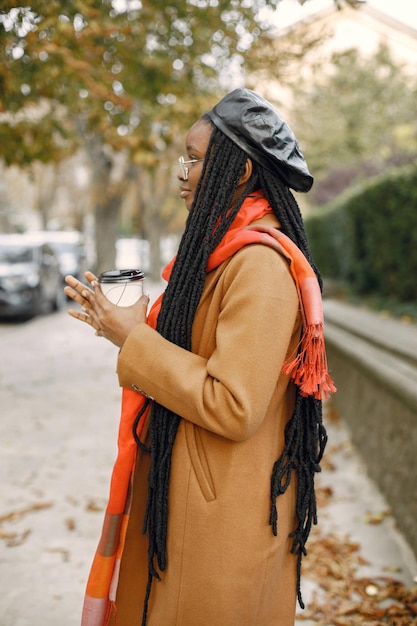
[[183, 166]]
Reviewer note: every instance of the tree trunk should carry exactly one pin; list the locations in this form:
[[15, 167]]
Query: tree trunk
[[155, 186], [106, 213], [106, 200]]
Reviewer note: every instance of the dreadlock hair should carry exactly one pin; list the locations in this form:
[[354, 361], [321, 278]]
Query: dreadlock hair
[[305, 434], [210, 217]]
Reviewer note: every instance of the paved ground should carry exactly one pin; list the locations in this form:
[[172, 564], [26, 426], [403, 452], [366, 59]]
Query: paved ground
[[59, 411], [354, 510]]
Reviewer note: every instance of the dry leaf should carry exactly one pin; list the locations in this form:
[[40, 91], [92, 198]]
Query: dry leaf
[[6, 535], [93, 505], [376, 518], [65, 553], [15, 515], [323, 495], [18, 539]]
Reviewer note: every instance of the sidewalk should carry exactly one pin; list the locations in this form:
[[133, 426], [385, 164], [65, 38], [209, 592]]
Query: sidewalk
[[60, 404], [356, 552]]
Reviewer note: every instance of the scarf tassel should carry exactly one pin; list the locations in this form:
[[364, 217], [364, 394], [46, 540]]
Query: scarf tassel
[[308, 368], [111, 613]]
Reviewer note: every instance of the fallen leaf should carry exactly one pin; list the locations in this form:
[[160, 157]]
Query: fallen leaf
[[15, 515], [376, 518], [7, 535], [65, 553], [18, 539], [94, 505], [323, 495]]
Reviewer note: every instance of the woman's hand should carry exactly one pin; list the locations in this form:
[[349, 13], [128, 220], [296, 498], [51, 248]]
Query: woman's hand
[[109, 320]]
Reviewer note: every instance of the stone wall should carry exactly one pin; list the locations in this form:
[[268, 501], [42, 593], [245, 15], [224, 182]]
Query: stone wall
[[373, 360]]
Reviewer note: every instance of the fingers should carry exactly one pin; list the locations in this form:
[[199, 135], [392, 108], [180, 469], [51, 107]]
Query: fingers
[[90, 277], [85, 297], [85, 317], [98, 294], [80, 293], [74, 295], [108, 320], [76, 284], [75, 289]]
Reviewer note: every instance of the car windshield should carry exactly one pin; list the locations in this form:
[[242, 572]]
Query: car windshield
[[15, 254]]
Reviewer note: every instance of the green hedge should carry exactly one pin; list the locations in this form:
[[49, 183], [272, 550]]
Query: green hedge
[[367, 239]]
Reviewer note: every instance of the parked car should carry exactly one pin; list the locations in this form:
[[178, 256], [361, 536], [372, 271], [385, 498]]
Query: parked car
[[30, 277], [69, 247]]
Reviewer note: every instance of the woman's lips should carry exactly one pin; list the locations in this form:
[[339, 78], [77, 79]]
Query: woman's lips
[[184, 192]]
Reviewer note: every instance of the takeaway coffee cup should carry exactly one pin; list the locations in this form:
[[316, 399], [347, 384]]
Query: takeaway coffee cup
[[122, 287]]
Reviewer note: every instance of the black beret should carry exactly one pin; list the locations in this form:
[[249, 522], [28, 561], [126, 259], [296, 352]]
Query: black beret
[[254, 125]]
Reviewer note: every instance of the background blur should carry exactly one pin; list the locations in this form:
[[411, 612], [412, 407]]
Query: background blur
[[95, 99]]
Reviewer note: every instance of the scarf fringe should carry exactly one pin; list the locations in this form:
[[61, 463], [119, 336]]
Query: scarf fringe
[[111, 613], [308, 368]]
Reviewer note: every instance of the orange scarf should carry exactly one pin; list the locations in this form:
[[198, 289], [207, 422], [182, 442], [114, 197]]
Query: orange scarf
[[308, 368]]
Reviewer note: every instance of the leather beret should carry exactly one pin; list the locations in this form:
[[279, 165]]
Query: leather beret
[[256, 127]]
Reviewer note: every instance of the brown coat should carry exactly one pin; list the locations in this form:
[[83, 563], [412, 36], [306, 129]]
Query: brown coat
[[225, 567]]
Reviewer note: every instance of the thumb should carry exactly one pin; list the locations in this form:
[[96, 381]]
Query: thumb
[[141, 303], [143, 300], [140, 307]]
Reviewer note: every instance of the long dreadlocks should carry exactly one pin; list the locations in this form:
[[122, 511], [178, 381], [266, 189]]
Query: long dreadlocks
[[208, 221], [305, 435]]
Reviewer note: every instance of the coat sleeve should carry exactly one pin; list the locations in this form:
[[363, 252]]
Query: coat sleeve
[[229, 392]]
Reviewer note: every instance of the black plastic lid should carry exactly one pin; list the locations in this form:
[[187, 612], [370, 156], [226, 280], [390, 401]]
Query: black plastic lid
[[122, 276]]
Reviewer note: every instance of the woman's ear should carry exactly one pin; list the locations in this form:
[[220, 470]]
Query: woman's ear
[[247, 172]]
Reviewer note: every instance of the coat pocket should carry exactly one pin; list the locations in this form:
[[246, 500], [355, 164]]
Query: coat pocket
[[199, 461]]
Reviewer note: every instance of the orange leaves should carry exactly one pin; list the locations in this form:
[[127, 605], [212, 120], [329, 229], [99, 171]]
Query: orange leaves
[[345, 593], [345, 599]]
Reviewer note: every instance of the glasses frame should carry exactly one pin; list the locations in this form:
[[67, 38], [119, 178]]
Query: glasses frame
[[183, 166]]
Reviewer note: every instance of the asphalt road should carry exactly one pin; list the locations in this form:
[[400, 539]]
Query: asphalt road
[[59, 404]]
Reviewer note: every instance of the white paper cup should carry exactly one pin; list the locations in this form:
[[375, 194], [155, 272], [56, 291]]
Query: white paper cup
[[122, 287]]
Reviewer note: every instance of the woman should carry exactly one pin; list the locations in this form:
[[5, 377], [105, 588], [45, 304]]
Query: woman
[[221, 430]]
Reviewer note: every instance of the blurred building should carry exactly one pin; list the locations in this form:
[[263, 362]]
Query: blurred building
[[342, 25]]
